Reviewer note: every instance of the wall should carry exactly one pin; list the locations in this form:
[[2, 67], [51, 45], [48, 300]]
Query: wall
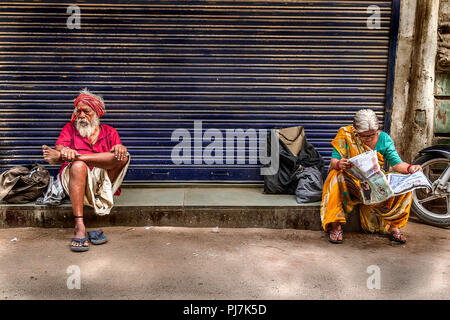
[[442, 89], [402, 71], [413, 114]]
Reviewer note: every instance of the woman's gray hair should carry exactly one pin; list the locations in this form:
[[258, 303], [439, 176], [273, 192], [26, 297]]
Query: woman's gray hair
[[365, 120]]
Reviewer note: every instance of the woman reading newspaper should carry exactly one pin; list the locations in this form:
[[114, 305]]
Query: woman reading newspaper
[[342, 192]]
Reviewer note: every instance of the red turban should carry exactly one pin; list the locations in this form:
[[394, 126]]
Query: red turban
[[91, 101]]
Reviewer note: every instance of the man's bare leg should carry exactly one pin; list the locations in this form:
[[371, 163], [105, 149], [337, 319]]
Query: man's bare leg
[[105, 160], [77, 187]]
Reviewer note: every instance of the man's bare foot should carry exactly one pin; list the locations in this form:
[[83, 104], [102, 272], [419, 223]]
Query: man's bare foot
[[52, 156], [80, 233]]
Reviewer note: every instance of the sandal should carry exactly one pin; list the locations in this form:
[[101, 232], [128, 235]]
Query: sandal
[[396, 236], [81, 241], [97, 236], [337, 234]]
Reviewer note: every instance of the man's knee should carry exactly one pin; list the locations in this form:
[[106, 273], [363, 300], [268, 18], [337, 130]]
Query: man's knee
[[78, 168]]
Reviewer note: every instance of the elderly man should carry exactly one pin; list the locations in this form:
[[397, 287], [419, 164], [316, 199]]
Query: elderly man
[[93, 164]]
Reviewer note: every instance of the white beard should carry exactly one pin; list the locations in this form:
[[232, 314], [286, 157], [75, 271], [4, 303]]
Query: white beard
[[86, 128]]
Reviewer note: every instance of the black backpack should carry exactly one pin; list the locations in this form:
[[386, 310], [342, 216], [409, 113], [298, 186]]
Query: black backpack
[[285, 181]]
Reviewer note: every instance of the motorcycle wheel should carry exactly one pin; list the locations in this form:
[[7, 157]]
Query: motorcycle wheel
[[430, 208]]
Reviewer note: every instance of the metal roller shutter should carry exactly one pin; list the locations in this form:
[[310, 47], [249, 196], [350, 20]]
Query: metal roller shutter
[[160, 65]]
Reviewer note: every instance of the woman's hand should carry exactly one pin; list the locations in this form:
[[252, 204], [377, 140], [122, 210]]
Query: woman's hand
[[344, 164], [405, 168], [414, 168]]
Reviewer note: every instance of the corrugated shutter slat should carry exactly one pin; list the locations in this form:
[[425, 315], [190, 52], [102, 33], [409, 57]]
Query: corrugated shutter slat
[[161, 65]]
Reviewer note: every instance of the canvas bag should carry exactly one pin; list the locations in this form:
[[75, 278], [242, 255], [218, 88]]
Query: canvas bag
[[23, 184]]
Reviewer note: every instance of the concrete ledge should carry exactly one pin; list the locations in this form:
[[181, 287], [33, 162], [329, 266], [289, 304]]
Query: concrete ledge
[[187, 207]]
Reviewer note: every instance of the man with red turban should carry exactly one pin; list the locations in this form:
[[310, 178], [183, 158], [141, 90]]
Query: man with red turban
[[93, 164]]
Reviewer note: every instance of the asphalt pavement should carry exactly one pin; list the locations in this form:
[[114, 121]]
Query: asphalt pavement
[[239, 263]]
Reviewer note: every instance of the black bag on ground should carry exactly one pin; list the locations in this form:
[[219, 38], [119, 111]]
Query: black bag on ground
[[295, 154], [23, 184]]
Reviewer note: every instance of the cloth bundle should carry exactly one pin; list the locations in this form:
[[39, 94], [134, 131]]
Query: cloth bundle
[[54, 194], [23, 184]]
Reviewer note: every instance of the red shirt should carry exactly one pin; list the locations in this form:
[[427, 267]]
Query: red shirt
[[70, 137]]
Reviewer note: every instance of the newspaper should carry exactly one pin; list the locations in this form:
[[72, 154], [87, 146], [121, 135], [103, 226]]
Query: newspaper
[[402, 183], [376, 187]]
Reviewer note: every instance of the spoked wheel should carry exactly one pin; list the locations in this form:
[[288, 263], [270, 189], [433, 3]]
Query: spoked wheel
[[432, 208]]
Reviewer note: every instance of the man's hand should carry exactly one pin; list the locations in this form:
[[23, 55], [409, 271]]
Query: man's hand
[[119, 151], [68, 155]]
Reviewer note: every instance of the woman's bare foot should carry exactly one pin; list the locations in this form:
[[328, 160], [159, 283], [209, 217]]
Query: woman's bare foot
[[336, 234], [396, 235], [52, 156]]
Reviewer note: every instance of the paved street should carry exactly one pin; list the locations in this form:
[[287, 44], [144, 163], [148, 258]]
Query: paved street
[[197, 263]]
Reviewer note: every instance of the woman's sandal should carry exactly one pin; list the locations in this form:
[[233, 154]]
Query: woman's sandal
[[97, 236], [396, 236], [337, 233], [81, 241]]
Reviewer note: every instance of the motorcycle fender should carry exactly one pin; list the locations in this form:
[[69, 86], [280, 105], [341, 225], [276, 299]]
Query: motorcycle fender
[[442, 150]]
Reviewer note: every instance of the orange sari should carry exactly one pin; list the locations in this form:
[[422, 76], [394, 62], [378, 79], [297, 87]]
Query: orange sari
[[341, 193]]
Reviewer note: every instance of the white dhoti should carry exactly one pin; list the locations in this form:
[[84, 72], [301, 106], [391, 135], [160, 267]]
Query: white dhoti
[[99, 191]]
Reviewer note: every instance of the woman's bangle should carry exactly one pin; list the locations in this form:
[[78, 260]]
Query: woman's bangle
[[407, 169], [337, 164]]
